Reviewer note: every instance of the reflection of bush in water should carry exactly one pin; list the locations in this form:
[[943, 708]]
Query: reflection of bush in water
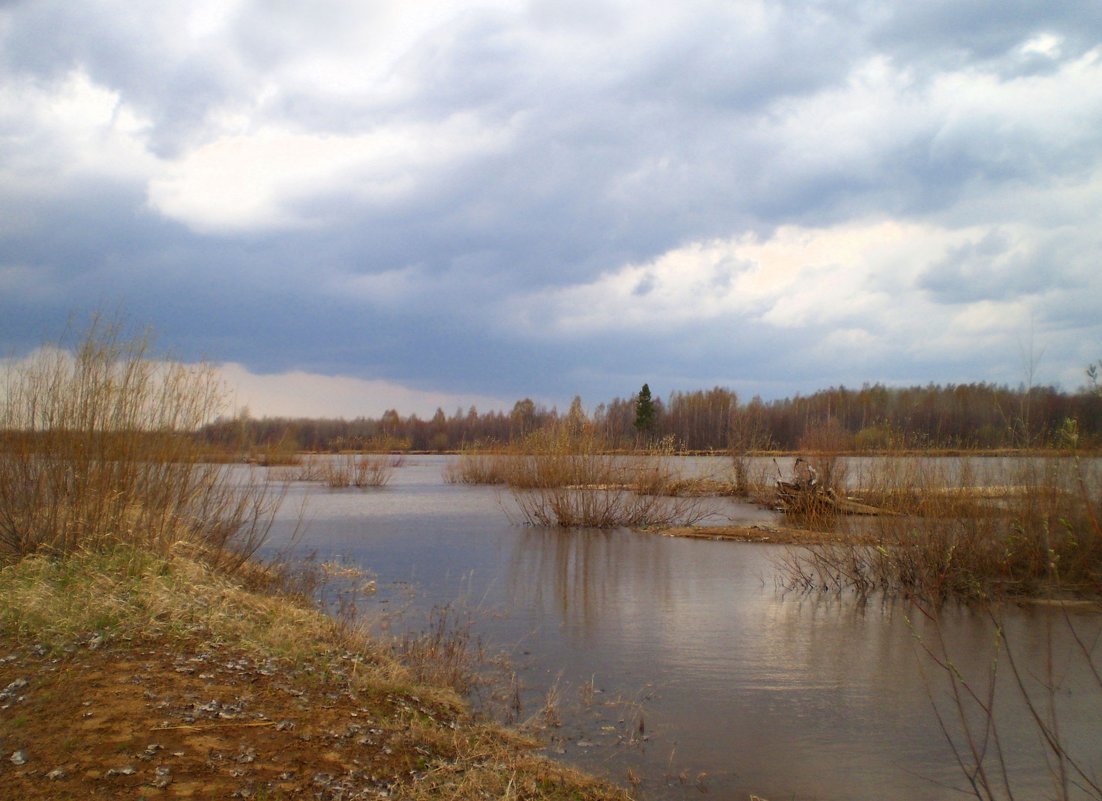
[[953, 537], [1054, 686]]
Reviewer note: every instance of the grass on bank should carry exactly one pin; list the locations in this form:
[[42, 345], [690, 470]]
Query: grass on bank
[[123, 597], [115, 534]]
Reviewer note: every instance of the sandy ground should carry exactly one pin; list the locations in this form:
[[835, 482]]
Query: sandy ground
[[140, 721]]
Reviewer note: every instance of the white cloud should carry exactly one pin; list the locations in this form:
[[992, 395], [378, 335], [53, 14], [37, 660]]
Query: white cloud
[[262, 179], [1056, 108], [1045, 44], [797, 277], [64, 131]]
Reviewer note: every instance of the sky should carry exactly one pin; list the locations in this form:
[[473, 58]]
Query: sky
[[354, 206]]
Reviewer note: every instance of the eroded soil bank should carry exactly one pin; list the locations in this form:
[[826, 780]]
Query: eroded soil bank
[[194, 710]]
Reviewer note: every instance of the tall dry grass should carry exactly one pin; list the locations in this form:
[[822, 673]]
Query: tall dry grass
[[567, 475], [481, 463], [824, 446], [555, 456], [345, 470], [446, 653], [98, 448], [952, 536]]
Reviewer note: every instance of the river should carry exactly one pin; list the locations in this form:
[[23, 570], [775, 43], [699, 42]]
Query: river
[[681, 666]]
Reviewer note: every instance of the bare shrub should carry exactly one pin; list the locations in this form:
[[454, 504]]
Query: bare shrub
[[345, 470], [604, 508], [747, 437], [482, 463], [308, 468], [954, 537], [969, 712], [98, 447], [567, 475], [569, 478], [364, 470], [558, 456], [825, 446]]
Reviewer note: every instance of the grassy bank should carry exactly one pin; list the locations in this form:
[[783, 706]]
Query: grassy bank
[[158, 675]]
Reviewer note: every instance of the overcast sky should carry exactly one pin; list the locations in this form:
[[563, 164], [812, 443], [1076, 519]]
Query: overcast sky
[[359, 205]]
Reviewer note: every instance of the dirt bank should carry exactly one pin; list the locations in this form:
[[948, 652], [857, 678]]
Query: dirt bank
[[146, 707]]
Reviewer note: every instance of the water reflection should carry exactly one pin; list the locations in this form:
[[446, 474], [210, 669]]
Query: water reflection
[[588, 576], [782, 695]]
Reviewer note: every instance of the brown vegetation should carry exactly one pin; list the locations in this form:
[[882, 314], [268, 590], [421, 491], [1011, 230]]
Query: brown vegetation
[[566, 475], [951, 537], [483, 463], [345, 470], [97, 448], [970, 711], [145, 653]]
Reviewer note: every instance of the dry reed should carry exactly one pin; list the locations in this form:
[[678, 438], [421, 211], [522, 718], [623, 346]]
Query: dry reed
[[567, 475], [951, 537], [482, 463], [569, 478], [365, 470], [98, 447], [344, 470], [444, 654]]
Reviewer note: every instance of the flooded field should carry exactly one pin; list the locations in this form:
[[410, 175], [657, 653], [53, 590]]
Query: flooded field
[[681, 666]]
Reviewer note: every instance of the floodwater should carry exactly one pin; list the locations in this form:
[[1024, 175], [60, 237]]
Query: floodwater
[[680, 665]]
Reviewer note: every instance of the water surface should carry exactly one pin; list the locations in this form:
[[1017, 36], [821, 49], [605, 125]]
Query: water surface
[[682, 664]]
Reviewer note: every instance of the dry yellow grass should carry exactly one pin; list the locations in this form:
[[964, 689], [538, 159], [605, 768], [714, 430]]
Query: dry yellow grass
[[566, 475], [98, 447], [128, 604], [952, 536]]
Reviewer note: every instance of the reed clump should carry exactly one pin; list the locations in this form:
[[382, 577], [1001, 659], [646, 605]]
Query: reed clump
[[344, 470], [561, 455], [953, 535], [569, 477], [360, 470], [482, 463], [446, 653], [98, 448], [557, 457]]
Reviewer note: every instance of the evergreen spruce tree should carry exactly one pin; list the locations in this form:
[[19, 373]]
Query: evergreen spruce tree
[[644, 411]]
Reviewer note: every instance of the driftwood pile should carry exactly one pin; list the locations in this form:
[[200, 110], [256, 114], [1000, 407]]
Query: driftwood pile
[[804, 495]]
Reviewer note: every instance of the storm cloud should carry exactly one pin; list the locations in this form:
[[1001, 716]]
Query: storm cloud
[[455, 203]]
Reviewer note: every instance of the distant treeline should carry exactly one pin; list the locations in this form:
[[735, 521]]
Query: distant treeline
[[874, 417]]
